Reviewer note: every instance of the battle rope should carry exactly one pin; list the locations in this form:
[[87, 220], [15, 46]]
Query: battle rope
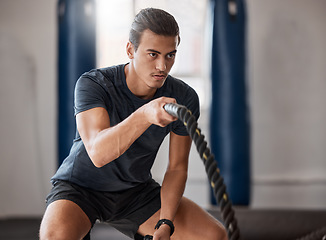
[[213, 173], [319, 234], [212, 170]]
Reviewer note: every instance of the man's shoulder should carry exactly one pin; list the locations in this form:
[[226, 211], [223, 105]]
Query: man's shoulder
[[179, 86], [176, 81], [104, 76], [107, 72]]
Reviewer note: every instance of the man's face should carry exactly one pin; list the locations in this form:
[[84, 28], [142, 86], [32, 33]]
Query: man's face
[[154, 59]]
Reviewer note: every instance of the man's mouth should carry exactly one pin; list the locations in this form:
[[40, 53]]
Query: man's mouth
[[159, 76]]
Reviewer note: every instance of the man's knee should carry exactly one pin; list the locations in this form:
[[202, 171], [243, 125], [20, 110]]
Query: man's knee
[[48, 233], [216, 231], [63, 220], [219, 233], [51, 234]]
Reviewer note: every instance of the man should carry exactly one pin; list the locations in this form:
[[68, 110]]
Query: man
[[121, 123]]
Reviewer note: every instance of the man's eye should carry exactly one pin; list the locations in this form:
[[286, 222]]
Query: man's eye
[[171, 55], [152, 54]]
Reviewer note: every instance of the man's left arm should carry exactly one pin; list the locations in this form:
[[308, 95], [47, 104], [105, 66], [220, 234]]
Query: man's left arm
[[175, 178]]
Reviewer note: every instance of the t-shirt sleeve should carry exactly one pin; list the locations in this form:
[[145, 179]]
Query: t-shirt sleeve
[[191, 101], [88, 94]]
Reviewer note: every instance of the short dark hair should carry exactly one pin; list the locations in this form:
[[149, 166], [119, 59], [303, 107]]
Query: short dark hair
[[157, 21]]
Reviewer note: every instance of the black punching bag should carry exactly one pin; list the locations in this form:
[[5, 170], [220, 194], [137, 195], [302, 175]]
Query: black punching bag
[[76, 55], [229, 123]]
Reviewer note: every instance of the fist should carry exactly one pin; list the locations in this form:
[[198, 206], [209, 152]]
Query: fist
[[155, 113]]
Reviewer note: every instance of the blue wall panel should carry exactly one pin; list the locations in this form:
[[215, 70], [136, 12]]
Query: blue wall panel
[[76, 55], [229, 123]]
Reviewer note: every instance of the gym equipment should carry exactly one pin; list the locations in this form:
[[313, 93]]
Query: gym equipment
[[212, 170], [229, 109], [148, 237], [76, 55], [213, 173], [319, 234]]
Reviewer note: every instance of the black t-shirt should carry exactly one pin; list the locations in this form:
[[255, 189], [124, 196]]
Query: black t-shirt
[[107, 88]]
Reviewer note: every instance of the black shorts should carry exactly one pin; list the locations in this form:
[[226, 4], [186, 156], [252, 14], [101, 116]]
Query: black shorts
[[124, 210]]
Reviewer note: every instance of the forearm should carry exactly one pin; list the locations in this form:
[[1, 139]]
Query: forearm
[[112, 142], [173, 187], [104, 143]]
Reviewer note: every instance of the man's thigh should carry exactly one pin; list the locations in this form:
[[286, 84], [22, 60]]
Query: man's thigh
[[191, 222], [63, 219]]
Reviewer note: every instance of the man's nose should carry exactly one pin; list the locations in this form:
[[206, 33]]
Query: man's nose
[[161, 65]]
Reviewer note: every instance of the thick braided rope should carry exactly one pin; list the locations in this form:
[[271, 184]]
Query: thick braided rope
[[212, 170], [213, 173], [319, 234]]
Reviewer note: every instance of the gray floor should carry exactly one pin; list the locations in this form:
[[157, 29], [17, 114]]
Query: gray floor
[[27, 229], [105, 232], [254, 225]]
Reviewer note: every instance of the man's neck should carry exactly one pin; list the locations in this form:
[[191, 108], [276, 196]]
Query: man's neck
[[138, 88]]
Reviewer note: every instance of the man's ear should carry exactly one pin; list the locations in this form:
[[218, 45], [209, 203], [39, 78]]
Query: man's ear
[[130, 50]]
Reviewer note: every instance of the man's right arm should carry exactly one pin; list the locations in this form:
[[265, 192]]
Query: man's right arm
[[104, 143]]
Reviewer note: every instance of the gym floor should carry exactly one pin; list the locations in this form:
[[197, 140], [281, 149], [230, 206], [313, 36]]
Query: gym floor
[[254, 224], [27, 229]]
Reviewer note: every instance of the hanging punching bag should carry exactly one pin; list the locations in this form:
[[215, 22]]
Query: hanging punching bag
[[229, 123], [76, 55]]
